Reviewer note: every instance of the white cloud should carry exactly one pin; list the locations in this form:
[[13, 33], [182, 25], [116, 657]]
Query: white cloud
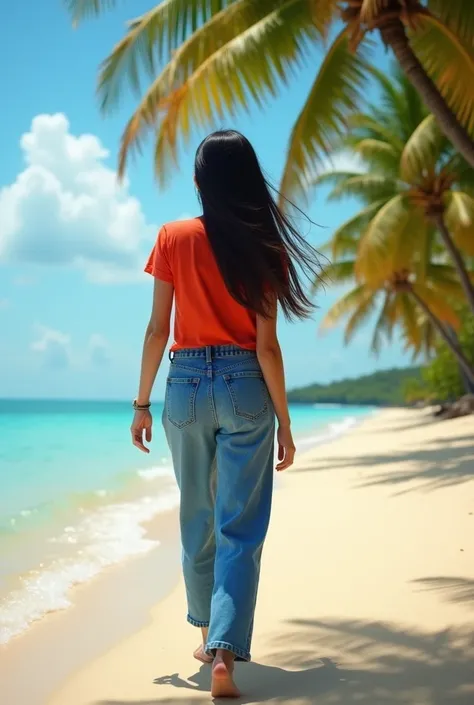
[[53, 346], [66, 208], [98, 350], [46, 336], [56, 350]]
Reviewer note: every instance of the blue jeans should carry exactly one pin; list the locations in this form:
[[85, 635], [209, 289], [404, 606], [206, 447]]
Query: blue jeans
[[220, 424]]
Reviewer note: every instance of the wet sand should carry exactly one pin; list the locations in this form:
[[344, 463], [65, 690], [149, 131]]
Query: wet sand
[[367, 590]]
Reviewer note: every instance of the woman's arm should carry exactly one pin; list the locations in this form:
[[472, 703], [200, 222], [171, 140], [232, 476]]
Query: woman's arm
[[156, 339], [271, 361]]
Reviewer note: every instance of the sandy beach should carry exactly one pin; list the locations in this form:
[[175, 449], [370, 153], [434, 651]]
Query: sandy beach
[[367, 589]]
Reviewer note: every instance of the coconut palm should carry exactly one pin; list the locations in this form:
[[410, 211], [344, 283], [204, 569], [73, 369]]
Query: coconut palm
[[402, 301], [417, 193], [207, 58]]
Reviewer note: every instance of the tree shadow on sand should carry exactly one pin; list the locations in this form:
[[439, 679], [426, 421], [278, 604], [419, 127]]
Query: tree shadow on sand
[[455, 589], [416, 422], [265, 683], [442, 465], [348, 662], [434, 469]]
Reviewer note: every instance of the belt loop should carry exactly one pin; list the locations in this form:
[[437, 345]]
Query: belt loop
[[208, 354], [170, 356]]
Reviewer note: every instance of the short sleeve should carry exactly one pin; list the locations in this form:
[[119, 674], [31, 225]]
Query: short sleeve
[[158, 264]]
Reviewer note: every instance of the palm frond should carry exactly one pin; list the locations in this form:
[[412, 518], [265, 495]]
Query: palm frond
[[384, 324], [345, 238], [400, 107], [422, 238], [410, 246], [383, 243], [253, 64], [370, 9], [391, 98], [356, 298], [332, 178], [450, 64], [459, 217], [360, 316], [462, 173], [335, 93], [426, 340], [458, 16], [335, 273], [422, 151], [80, 9], [408, 317], [414, 109], [161, 32], [323, 14], [371, 127], [336, 181], [368, 187], [444, 278], [441, 297], [376, 154]]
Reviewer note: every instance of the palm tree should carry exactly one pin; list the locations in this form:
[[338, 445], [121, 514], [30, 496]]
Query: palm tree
[[207, 58], [403, 300], [415, 189], [466, 382]]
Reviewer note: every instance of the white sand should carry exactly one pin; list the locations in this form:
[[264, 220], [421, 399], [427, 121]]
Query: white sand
[[367, 590]]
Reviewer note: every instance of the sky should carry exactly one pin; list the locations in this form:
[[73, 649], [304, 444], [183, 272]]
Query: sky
[[74, 301]]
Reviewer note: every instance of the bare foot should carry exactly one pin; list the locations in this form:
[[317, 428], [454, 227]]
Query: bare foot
[[223, 685], [201, 655]]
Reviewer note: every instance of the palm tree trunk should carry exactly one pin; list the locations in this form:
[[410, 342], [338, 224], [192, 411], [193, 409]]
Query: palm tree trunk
[[457, 258], [394, 35], [454, 347], [468, 385]]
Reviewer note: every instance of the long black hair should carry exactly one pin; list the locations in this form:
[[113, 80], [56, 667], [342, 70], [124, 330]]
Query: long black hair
[[260, 254]]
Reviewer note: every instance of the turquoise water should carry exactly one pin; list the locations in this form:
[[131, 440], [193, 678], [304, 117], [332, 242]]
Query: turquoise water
[[75, 494]]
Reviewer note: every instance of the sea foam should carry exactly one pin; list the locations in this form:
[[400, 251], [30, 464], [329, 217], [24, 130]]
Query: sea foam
[[329, 433], [155, 472], [104, 537]]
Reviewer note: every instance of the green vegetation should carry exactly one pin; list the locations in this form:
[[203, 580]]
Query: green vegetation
[[408, 255], [205, 59], [407, 252], [378, 389], [442, 380]]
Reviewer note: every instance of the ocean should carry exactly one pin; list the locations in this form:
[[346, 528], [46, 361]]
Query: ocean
[[75, 495]]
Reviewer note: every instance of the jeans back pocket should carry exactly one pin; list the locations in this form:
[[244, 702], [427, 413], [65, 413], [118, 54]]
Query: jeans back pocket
[[180, 402], [249, 394]]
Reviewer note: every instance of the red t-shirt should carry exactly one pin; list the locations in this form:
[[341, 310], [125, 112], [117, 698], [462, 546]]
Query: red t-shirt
[[205, 312]]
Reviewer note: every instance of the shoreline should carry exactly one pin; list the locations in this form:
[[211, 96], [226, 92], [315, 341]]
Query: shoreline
[[110, 615], [103, 528], [73, 549], [102, 666], [56, 625]]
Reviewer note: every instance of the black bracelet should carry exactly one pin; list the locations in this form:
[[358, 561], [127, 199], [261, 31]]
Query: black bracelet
[[141, 407]]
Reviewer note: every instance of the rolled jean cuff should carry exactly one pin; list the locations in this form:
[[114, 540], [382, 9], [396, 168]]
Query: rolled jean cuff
[[240, 654], [196, 622]]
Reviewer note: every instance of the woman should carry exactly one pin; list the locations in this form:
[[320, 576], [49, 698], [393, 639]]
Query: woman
[[227, 271]]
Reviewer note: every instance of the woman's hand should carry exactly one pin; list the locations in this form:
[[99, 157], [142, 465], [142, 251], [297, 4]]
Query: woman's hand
[[142, 422], [286, 448]]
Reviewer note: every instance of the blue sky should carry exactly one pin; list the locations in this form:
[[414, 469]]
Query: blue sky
[[73, 301]]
